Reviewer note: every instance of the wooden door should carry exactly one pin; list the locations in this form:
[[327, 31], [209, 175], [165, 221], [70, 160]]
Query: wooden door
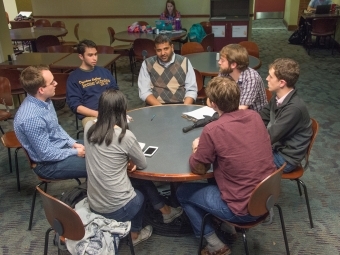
[[269, 9]]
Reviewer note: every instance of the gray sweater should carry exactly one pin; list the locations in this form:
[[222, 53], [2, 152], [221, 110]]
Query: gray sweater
[[109, 187]]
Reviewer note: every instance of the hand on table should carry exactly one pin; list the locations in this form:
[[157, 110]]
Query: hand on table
[[131, 167], [195, 144]]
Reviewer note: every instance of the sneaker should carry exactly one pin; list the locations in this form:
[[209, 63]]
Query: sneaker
[[144, 234], [269, 219], [223, 251], [174, 213]]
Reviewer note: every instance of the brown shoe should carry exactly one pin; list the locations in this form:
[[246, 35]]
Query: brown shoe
[[223, 251]]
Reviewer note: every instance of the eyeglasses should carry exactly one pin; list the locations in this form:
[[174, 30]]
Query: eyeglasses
[[53, 83]]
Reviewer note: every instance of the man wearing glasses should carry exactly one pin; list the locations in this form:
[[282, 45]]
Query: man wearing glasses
[[56, 154]]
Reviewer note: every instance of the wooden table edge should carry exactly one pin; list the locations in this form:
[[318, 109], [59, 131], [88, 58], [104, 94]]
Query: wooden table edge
[[139, 174]]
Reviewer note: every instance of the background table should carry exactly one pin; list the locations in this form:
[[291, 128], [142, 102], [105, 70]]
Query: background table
[[25, 34], [170, 163], [37, 58], [207, 65], [72, 61], [130, 37]]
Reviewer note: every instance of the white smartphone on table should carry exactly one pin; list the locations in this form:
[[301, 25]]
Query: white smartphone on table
[[150, 151]]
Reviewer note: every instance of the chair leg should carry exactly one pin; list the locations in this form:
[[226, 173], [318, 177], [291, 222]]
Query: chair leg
[[299, 187], [245, 241], [204, 220], [307, 203], [2, 131], [9, 160], [77, 126], [46, 240], [78, 181], [79, 132], [283, 228], [132, 250], [17, 167]]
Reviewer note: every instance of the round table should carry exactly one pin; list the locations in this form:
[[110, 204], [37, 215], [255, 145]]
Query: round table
[[25, 34], [207, 65], [130, 37], [170, 163]]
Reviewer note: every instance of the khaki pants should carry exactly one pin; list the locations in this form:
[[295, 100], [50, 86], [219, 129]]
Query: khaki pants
[[87, 119]]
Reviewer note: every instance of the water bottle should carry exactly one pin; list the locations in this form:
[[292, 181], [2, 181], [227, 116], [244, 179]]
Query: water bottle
[[177, 24]]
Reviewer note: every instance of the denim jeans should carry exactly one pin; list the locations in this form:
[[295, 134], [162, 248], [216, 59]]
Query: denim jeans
[[132, 211], [68, 168], [279, 161], [197, 199], [149, 191]]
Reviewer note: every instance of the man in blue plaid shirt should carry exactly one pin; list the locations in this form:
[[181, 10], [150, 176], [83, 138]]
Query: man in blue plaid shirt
[[56, 154]]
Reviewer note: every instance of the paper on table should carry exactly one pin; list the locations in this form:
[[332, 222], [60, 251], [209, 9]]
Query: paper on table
[[200, 113], [142, 145]]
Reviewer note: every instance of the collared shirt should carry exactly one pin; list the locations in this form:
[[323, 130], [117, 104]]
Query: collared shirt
[[279, 101], [37, 129], [171, 18], [145, 86], [314, 3], [252, 89]]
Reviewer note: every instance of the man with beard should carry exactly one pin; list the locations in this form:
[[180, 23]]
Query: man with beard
[[167, 78], [234, 63], [86, 84]]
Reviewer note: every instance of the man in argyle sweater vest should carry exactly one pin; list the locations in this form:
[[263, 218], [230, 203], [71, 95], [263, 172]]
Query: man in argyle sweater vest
[[167, 77]]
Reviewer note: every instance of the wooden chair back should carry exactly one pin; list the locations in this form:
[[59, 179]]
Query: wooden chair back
[[5, 92], [42, 23], [323, 26], [58, 24], [207, 27], [104, 49], [143, 23], [45, 41], [191, 47], [252, 48], [13, 76], [112, 33], [76, 31], [62, 218], [60, 49], [60, 89], [200, 87], [208, 42], [266, 193], [143, 44], [315, 128], [269, 95]]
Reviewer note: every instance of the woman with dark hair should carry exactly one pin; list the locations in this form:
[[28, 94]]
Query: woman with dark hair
[[170, 12], [111, 149]]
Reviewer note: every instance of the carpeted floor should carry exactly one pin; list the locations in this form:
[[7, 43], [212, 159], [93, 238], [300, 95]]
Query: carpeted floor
[[320, 74]]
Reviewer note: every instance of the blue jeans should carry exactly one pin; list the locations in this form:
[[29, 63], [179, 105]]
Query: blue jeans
[[68, 168], [197, 199], [149, 191], [279, 161], [132, 211]]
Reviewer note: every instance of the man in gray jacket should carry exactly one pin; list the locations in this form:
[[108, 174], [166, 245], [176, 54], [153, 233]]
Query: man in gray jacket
[[286, 116]]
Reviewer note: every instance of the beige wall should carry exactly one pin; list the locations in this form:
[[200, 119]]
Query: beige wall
[[10, 8], [5, 40], [96, 29], [291, 12], [25, 5]]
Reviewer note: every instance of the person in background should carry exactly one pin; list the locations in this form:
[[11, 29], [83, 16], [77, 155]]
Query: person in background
[[112, 151], [56, 154], [167, 78], [234, 61], [87, 83], [238, 147], [313, 3], [286, 116], [170, 12]]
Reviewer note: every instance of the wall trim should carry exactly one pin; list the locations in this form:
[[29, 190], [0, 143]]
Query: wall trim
[[112, 16], [290, 27]]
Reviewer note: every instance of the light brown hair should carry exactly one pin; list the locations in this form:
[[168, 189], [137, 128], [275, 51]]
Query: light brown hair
[[224, 92], [31, 79], [236, 53], [174, 11], [286, 69]]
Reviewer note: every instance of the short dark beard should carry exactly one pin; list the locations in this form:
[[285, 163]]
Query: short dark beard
[[226, 72]]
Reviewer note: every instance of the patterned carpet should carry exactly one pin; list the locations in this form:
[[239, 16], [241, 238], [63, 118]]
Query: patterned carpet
[[320, 72]]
